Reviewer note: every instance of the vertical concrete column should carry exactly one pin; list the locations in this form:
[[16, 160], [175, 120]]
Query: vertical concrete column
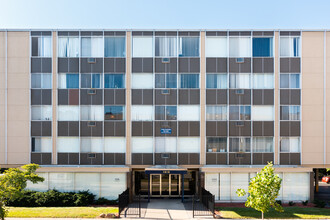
[[276, 98], [3, 80], [128, 97], [202, 99], [54, 96]]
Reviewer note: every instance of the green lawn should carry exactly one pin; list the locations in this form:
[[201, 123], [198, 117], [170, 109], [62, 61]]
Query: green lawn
[[289, 212], [60, 212]]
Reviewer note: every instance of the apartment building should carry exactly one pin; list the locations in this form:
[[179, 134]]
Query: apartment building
[[165, 111]]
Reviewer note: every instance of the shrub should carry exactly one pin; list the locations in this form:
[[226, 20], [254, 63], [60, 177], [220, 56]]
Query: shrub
[[305, 202], [291, 203], [84, 198], [319, 203], [104, 201], [279, 202]]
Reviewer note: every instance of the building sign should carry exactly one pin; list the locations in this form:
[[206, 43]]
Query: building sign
[[166, 130]]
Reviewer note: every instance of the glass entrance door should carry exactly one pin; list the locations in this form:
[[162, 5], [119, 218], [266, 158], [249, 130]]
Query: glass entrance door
[[165, 185]]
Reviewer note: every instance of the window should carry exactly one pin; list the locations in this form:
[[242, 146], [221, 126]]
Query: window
[[290, 144], [239, 112], [290, 81], [289, 46], [165, 80], [216, 81], [189, 46], [165, 145], [263, 81], [216, 113], [142, 81], [262, 113], [263, 47], [89, 145], [189, 145], [68, 47], [114, 47], [239, 81], [188, 113], [216, 47], [142, 113], [41, 144], [114, 113], [41, 46], [240, 144], [68, 144], [239, 47], [92, 47], [165, 112], [91, 80], [91, 113], [41, 80], [114, 144], [41, 113], [165, 47], [290, 113], [189, 81], [263, 144], [114, 81], [216, 144], [68, 113], [142, 47], [68, 81], [142, 144]]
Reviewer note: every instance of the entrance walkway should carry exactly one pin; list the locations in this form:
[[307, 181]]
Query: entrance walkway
[[167, 209]]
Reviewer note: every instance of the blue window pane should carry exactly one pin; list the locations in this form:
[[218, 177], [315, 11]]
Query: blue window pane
[[85, 81], [171, 80], [114, 81], [160, 81], [171, 112], [216, 81], [189, 47], [96, 81], [296, 47], [72, 81], [189, 81], [262, 47], [113, 112], [294, 81], [114, 47]]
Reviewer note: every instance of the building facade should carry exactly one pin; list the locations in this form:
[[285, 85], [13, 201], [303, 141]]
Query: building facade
[[165, 111]]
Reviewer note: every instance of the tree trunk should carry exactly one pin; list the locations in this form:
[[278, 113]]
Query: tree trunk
[[262, 215]]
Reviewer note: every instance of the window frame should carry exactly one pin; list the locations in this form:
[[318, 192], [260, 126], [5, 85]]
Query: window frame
[[271, 47], [207, 149], [215, 106], [290, 44], [290, 113], [290, 85], [114, 118], [239, 141], [165, 116], [239, 112]]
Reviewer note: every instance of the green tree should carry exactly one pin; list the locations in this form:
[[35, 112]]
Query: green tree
[[263, 191], [13, 181]]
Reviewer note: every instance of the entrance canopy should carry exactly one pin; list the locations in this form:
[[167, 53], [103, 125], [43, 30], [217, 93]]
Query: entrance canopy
[[166, 169]]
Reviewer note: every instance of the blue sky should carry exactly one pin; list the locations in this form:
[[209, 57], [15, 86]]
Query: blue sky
[[165, 14]]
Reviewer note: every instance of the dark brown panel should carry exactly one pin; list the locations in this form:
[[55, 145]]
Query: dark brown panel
[[63, 98], [114, 65], [268, 157], [119, 158], [257, 159], [36, 158], [147, 65], [268, 128], [147, 129], [211, 128], [160, 99], [109, 159], [147, 159], [257, 128], [73, 65], [171, 99], [46, 158], [295, 96], [284, 65], [73, 96], [96, 67], [35, 96], [137, 158], [294, 128], [165, 124], [222, 128], [35, 128], [46, 128], [295, 159], [136, 128], [194, 65], [194, 158], [73, 158], [183, 96], [166, 67], [211, 65], [86, 160], [109, 128], [284, 128], [245, 99], [285, 158], [268, 95], [46, 96], [62, 158], [137, 97], [147, 97], [240, 67], [85, 130], [97, 130], [284, 96], [257, 96], [295, 65], [183, 158], [216, 158], [46, 65], [194, 127], [211, 158], [233, 65], [109, 96], [221, 96], [120, 96], [246, 129], [262, 158], [63, 128], [172, 160], [73, 128], [136, 65], [97, 98], [120, 65], [85, 98], [234, 99], [257, 65], [239, 158], [35, 65], [63, 65], [221, 158], [234, 130], [268, 65], [211, 96], [183, 128], [183, 65], [222, 65]]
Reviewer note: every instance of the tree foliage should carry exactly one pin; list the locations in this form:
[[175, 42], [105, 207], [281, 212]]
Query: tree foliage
[[263, 191], [13, 180]]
